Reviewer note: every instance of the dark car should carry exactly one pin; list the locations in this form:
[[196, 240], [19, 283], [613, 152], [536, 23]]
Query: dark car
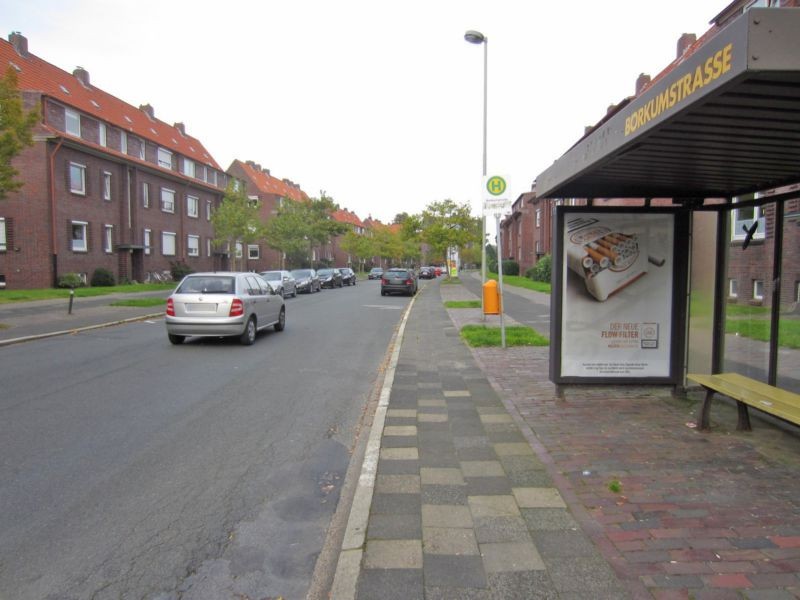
[[375, 273], [427, 273], [399, 280], [307, 280], [330, 278], [348, 275]]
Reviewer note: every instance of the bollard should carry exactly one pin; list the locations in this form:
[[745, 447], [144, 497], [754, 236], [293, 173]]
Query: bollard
[[491, 298], [71, 298]]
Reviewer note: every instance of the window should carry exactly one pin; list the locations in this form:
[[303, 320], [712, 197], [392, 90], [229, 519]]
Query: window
[[3, 238], [192, 206], [147, 241], [742, 220], [141, 149], [145, 194], [733, 288], [238, 249], [72, 122], [193, 245], [252, 252], [208, 246], [123, 141], [188, 167], [167, 200], [106, 185], [758, 289], [797, 291], [211, 176], [164, 158], [77, 178], [102, 137], [208, 210], [79, 236], [167, 243], [108, 239], [538, 217]]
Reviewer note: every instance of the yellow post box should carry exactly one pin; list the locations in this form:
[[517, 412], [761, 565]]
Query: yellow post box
[[491, 298]]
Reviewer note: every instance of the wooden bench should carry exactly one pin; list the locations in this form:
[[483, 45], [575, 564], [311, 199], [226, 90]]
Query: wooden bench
[[746, 391]]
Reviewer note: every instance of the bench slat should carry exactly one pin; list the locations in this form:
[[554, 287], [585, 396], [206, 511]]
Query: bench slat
[[781, 403]]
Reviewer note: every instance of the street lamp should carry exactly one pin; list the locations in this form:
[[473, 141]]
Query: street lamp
[[476, 37]]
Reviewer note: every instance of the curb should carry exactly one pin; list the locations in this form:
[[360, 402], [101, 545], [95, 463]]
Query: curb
[[39, 336], [348, 567]]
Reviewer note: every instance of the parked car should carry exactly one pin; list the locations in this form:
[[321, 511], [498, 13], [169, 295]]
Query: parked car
[[306, 280], [223, 304], [375, 273], [438, 271], [399, 280], [427, 273], [330, 278], [283, 281], [348, 276]]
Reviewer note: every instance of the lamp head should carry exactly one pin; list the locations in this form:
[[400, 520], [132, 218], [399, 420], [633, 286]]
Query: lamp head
[[474, 37]]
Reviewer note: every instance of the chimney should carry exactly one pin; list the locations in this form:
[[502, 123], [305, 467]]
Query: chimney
[[256, 166], [20, 42], [82, 75], [684, 42], [642, 82], [181, 128], [250, 164], [148, 110], [266, 172]]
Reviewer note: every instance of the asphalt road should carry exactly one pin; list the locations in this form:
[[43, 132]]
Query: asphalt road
[[131, 468]]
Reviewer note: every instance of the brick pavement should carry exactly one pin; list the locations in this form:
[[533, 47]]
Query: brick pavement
[[698, 515]]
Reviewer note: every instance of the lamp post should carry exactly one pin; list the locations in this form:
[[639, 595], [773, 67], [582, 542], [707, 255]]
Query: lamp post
[[476, 37]]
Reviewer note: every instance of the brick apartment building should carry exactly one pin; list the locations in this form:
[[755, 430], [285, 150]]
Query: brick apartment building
[[334, 252], [106, 185], [527, 231], [270, 191]]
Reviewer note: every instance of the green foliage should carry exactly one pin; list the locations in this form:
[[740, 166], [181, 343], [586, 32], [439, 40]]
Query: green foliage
[[615, 486], [15, 130], [523, 282], [179, 270], [462, 304], [70, 280], [510, 267], [102, 278], [139, 302], [237, 220], [445, 224], [518, 335], [542, 270]]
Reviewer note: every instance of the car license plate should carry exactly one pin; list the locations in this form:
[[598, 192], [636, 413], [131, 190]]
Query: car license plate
[[206, 307]]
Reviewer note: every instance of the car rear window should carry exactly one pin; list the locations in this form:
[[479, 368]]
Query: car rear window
[[207, 285]]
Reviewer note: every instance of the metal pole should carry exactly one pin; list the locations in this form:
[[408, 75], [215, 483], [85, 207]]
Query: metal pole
[[500, 280], [485, 118]]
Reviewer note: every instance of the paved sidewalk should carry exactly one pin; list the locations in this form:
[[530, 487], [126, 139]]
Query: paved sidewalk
[[462, 506]]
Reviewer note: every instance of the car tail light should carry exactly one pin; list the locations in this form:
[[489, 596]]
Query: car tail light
[[170, 307], [409, 281], [237, 308], [384, 281]]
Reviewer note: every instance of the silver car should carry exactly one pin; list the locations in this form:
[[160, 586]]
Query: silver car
[[283, 281], [223, 304]]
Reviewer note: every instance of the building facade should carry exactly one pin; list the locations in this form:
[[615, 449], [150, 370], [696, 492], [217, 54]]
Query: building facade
[[106, 185]]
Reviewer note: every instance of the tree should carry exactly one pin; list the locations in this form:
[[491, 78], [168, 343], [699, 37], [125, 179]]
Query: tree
[[360, 247], [237, 220], [15, 130], [445, 224]]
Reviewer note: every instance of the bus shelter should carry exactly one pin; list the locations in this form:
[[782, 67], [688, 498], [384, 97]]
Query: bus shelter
[[651, 289]]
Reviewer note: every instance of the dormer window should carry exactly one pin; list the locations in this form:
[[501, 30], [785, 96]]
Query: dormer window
[[188, 167]]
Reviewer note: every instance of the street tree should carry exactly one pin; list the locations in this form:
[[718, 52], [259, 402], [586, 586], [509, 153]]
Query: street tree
[[446, 224], [16, 128], [360, 247], [237, 220]]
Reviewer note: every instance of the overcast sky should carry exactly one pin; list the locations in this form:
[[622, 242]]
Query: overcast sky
[[377, 103]]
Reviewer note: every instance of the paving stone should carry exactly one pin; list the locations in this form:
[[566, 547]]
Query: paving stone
[[399, 454], [582, 574], [398, 441], [444, 494], [483, 453], [400, 430], [474, 441], [500, 529], [401, 413], [390, 584], [538, 498], [432, 417], [449, 540], [445, 570], [456, 393], [564, 544], [482, 468], [398, 467], [405, 504], [485, 486], [493, 506], [394, 527], [446, 515], [522, 585], [496, 418], [393, 554], [502, 557], [432, 402], [513, 449], [397, 484], [441, 476], [433, 592], [513, 464]]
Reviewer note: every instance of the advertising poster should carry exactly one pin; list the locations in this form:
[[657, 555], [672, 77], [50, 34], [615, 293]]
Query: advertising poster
[[617, 279]]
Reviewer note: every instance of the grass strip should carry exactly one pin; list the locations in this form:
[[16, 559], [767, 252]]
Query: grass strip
[[140, 302], [788, 334], [481, 336], [462, 304], [8, 296], [523, 282]]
